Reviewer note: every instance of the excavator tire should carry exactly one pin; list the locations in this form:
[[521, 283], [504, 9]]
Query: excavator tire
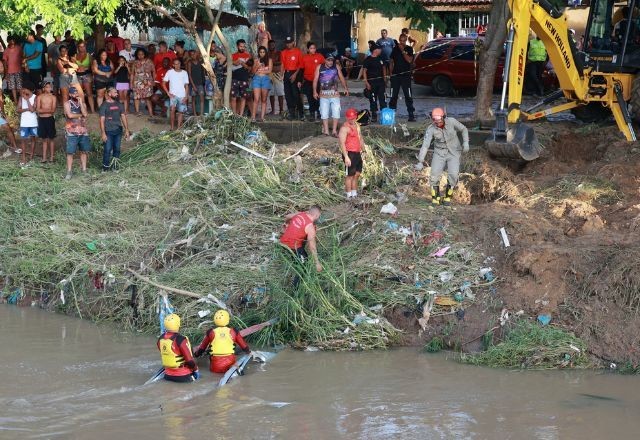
[[592, 112], [634, 101]]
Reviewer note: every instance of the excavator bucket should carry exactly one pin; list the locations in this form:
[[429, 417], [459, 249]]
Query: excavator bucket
[[516, 142]]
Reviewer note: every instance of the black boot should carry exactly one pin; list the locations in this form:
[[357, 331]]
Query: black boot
[[448, 195], [435, 195], [412, 118]]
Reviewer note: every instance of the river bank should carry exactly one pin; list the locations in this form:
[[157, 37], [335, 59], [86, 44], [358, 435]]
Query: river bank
[[188, 211]]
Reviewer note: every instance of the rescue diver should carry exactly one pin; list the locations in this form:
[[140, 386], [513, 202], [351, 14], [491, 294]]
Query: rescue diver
[[220, 342], [175, 353], [446, 152]]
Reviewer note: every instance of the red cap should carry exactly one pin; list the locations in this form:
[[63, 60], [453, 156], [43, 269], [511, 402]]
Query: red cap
[[351, 113]]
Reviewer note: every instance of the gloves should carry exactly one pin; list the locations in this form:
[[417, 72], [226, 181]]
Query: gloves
[[465, 148], [419, 166], [198, 352], [196, 374], [247, 350]]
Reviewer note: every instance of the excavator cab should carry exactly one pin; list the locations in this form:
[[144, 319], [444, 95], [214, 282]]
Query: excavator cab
[[612, 36]]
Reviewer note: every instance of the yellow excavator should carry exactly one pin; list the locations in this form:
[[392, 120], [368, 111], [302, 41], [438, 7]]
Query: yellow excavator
[[594, 83]]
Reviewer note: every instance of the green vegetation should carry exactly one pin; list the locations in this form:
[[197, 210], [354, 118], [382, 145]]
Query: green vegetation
[[531, 346], [188, 211]]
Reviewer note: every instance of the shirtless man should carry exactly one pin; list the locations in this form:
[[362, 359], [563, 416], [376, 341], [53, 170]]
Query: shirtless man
[[46, 107]]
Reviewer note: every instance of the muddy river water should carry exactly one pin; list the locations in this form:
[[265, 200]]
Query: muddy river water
[[63, 378]]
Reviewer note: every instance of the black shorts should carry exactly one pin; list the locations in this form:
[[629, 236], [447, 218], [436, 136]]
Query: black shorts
[[47, 127], [180, 379], [33, 76], [356, 163]]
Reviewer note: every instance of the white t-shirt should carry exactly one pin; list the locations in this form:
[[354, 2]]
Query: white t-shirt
[[128, 55], [28, 119], [177, 81]]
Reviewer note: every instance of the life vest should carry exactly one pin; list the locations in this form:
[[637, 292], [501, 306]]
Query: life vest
[[170, 358], [537, 52], [222, 344], [295, 235]]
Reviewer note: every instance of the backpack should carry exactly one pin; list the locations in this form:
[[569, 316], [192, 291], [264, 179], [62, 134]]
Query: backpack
[[364, 117]]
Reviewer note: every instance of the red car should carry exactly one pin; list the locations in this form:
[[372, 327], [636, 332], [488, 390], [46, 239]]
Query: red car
[[448, 64]]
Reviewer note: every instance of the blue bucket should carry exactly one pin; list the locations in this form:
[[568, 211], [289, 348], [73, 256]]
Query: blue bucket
[[387, 116]]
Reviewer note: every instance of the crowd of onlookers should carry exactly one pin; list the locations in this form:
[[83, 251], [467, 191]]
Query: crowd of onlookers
[[159, 80]]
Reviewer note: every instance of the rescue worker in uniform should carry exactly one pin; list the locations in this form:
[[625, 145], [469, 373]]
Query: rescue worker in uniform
[[220, 343], [537, 56], [175, 353], [446, 153]]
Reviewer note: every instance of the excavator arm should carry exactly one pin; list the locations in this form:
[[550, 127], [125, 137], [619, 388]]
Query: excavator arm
[[578, 85]]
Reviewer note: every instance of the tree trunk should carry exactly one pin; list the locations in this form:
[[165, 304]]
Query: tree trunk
[[98, 36], [308, 14], [227, 51], [490, 53]]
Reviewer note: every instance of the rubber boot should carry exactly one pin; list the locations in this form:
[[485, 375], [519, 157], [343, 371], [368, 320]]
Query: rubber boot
[[448, 195], [435, 195]]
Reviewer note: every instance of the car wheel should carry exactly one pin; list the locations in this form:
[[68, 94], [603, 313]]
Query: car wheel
[[442, 86]]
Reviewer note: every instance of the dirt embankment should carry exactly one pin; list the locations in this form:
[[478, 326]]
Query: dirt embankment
[[573, 218]]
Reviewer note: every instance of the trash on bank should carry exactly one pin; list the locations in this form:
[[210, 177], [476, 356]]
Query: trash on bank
[[445, 276], [389, 208], [544, 319], [434, 237], [486, 273], [505, 239], [440, 252]]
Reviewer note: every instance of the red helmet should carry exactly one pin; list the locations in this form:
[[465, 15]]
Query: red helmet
[[351, 114]]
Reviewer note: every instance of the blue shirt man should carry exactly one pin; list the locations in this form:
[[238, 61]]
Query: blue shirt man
[[30, 48], [386, 44]]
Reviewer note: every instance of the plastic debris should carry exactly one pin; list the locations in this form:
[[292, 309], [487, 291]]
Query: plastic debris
[[445, 301], [486, 273], [311, 348], [504, 317], [434, 237], [203, 313], [440, 252], [458, 296], [466, 291], [460, 314], [401, 197], [426, 310], [92, 246], [362, 318], [389, 208], [544, 319], [392, 226], [376, 308], [505, 239], [445, 276]]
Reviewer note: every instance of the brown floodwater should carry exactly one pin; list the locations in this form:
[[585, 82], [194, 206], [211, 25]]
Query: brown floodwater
[[64, 378]]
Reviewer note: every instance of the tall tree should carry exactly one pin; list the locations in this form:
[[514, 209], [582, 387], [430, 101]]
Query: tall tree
[[188, 14], [18, 16]]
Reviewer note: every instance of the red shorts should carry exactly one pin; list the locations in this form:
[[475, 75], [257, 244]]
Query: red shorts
[[220, 364]]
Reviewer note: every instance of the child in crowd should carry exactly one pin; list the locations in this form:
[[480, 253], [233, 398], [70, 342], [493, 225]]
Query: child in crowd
[[122, 82], [28, 121], [46, 107], [176, 84]]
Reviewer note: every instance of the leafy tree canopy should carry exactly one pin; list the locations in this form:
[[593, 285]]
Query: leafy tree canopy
[[18, 16]]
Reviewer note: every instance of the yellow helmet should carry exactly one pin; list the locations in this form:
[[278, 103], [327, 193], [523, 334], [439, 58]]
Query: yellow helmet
[[221, 318], [172, 323]]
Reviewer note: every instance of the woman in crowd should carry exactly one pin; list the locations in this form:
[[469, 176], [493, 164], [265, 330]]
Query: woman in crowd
[[102, 74], [67, 69], [261, 84], [83, 73], [142, 75], [122, 81]]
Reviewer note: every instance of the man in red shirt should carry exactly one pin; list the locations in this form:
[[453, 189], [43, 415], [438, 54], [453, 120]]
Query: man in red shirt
[[163, 52], [240, 77], [118, 41], [300, 229], [175, 353], [310, 63], [291, 58], [351, 145]]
